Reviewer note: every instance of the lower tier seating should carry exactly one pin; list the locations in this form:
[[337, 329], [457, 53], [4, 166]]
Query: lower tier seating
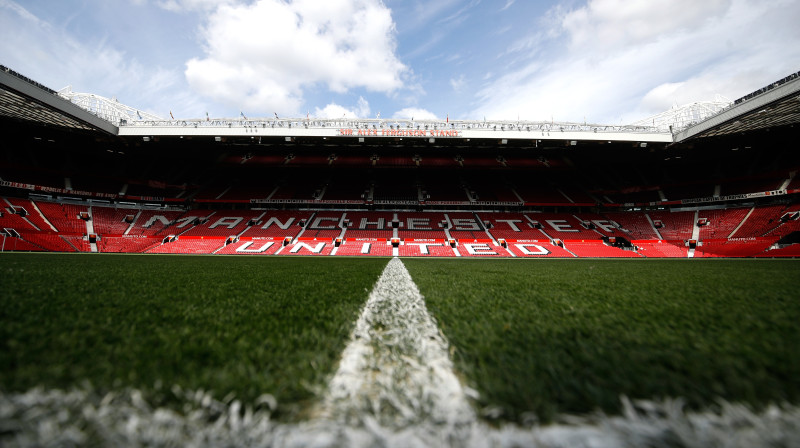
[[418, 234]]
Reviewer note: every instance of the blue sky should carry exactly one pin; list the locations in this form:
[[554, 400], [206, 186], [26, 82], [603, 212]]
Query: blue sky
[[600, 61]]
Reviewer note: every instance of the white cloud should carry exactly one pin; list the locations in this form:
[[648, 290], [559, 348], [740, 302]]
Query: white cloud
[[605, 24], [415, 113], [334, 110], [191, 5], [262, 56], [54, 57], [458, 83], [622, 62], [507, 5]]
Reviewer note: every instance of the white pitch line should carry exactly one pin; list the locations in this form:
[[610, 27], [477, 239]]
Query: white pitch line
[[396, 371]]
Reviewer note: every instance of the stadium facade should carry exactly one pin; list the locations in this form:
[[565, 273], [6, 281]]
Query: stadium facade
[[84, 173]]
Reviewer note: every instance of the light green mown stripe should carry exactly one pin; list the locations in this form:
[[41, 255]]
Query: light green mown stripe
[[246, 325], [571, 336]]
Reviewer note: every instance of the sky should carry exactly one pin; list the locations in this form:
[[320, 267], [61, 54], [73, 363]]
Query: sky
[[597, 61]]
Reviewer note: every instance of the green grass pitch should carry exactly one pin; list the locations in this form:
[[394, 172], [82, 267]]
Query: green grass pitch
[[243, 325], [571, 336], [541, 336]]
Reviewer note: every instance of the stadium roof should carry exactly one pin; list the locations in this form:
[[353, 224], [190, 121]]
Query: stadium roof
[[26, 100], [772, 106], [391, 128], [777, 104]]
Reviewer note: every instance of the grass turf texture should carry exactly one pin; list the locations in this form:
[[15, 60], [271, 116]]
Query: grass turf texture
[[571, 336], [249, 325]]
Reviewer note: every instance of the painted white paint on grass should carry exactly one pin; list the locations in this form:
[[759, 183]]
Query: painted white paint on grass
[[44, 418], [396, 371]]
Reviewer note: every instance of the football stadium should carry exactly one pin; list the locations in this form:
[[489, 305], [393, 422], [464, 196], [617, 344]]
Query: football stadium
[[280, 281]]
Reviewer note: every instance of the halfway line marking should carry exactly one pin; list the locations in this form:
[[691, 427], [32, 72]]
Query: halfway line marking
[[396, 369]]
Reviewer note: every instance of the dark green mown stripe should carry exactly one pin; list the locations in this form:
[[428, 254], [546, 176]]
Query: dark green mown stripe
[[247, 325], [571, 336]]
